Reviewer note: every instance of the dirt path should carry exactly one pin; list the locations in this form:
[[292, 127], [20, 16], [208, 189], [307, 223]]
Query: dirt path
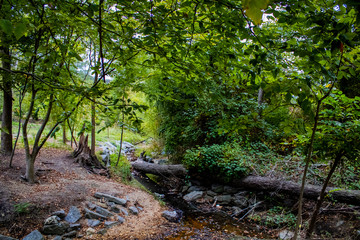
[[63, 183]]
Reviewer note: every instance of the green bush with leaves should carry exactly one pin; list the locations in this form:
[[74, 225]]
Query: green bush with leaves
[[123, 169], [225, 161]]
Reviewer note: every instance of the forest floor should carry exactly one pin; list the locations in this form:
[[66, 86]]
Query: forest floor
[[61, 184]]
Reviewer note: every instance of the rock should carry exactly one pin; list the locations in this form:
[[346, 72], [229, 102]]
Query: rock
[[57, 238], [133, 210], [74, 215], [3, 237], [224, 199], [211, 193], [286, 234], [73, 227], [241, 194], [115, 209], [185, 189], [102, 231], [159, 195], [103, 205], [61, 213], [123, 211], [230, 190], [55, 229], [52, 220], [193, 196], [90, 231], [111, 198], [236, 211], [34, 235], [70, 234], [196, 188], [339, 223], [120, 219], [109, 224], [103, 211], [90, 205], [217, 188], [93, 215], [171, 216], [241, 202], [93, 222]]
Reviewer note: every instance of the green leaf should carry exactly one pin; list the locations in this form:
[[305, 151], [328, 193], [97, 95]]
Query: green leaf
[[20, 30], [253, 9], [6, 26]]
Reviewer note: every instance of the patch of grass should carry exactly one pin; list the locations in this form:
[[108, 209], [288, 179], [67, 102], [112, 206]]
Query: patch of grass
[[122, 170], [276, 217], [22, 208]]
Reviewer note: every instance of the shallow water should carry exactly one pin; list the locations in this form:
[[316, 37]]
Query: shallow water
[[203, 225]]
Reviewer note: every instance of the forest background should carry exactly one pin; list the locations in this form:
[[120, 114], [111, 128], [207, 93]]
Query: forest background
[[224, 87]]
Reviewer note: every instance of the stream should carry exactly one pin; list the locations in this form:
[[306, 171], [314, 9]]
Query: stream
[[197, 224]]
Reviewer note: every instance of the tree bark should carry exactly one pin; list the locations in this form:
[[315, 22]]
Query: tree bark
[[260, 183], [6, 124], [162, 170], [322, 195]]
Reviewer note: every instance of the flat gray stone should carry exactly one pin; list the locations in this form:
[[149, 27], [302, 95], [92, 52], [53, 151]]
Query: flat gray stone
[[34, 235], [224, 199], [230, 190], [3, 237], [74, 215], [286, 234], [171, 216], [115, 209], [103, 211], [93, 215], [55, 229], [93, 222], [211, 193], [120, 219], [102, 231], [218, 188], [133, 210], [109, 224], [61, 213], [193, 196], [90, 205], [74, 226], [111, 198], [70, 234], [52, 220], [57, 238], [124, 211]]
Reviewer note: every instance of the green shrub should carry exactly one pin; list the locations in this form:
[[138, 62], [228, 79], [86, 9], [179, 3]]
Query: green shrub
[[123, 169], [224, 161]]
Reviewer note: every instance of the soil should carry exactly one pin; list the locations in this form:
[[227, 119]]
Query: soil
[[61, 184]]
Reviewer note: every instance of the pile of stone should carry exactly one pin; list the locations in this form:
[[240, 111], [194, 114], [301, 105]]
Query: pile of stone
[[108, 148], [218, 195], [94, 217]]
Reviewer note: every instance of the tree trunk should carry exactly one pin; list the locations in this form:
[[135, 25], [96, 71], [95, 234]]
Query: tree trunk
[[64, 132], [30, 169], [322, 195], [162, 170], [258, 183], [6, 124]]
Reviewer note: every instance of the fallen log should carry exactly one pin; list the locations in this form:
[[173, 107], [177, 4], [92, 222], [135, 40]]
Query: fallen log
[[259, 183], [162, 170], [292, 188]]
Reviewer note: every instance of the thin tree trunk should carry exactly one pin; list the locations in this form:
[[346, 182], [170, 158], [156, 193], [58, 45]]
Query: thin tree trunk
[[64, 132], [30, 169], [307, 163], [6, 124], [121, 138], [93, 134], [322, 195]]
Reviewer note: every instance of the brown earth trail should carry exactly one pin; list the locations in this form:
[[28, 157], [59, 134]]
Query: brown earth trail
[[63, 183]]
